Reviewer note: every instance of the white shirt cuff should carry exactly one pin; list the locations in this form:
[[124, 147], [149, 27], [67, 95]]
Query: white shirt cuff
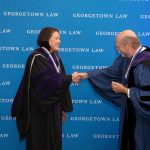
[[128, 93]]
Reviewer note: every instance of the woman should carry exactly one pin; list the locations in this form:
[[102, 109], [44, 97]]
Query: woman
[[43, 96]]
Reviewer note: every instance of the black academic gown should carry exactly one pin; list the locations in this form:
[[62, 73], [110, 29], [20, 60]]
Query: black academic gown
[[42, 95]]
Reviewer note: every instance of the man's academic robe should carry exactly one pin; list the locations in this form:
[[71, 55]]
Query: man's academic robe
[[139, 114], [101, 82], [135, 112], [41, 97]]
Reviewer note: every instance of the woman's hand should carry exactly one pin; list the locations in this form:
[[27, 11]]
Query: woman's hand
[[64, 116]]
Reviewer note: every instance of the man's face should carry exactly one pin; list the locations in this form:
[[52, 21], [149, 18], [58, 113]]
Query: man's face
[[54, 41], [123, 49]]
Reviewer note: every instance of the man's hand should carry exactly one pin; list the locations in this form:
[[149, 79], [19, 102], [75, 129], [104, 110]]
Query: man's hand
[[76, 77], [119, 88], [83, 75]]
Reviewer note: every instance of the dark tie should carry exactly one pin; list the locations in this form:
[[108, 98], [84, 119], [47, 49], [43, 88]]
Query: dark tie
[[55, 59]]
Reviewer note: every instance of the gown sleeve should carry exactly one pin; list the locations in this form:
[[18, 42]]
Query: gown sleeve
[[101, 80], [47, 86], [140, 94]]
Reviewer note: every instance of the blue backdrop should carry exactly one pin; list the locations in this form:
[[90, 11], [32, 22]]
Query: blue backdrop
[[88, 30]]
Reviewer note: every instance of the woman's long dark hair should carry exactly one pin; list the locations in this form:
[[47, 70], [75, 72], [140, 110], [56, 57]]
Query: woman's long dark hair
[[44, 36]]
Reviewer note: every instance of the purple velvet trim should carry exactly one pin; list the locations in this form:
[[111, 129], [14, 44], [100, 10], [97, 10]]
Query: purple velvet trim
[[145, 55]]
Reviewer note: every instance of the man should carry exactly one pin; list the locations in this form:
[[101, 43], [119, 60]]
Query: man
[[129, 77]]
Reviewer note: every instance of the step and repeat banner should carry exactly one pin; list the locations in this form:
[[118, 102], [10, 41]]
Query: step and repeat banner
[[88, 29]]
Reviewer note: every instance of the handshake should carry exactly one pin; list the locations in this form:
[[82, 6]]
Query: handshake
[[76, 77]]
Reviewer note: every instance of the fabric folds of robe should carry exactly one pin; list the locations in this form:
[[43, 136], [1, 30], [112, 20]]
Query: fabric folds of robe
[[142, 106], [101, 79], [101, 82]]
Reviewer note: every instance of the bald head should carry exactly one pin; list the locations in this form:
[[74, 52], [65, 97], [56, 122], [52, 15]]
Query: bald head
[[127, 33], [127, 43], [128, 37]]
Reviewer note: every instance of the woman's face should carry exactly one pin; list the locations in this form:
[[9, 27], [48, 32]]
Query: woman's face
[[54, 41]]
